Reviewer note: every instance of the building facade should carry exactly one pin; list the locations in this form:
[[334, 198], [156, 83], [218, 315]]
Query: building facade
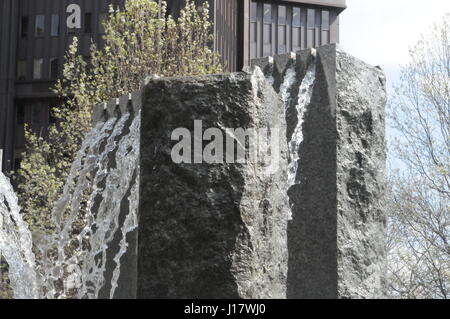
[[35, 34]]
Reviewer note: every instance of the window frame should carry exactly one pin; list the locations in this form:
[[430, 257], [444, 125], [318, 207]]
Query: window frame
[[53, 76], [310, 18], [282, 23], [326, 17], [87, 23], [21, 66], [39, 32], [36, 62], [296, 23], [24, 26], [267, 38], [55, 19]]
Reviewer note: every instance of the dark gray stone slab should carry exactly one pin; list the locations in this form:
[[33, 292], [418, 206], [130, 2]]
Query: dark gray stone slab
[[221, 230], [336, 238], [312, 233], [210, 230], [360, 177]]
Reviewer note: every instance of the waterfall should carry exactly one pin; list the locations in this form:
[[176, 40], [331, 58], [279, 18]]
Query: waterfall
[[304, 99], [103, 178], [306, 87], [285, 90], [16, 244], [98, 206]]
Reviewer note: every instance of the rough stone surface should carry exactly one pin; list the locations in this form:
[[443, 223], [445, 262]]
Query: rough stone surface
[[220, 230], [361, 158], [336, 238], [210, 230]]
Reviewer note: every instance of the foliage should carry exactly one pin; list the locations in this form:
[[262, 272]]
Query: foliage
[[139, 40], [419, 201]]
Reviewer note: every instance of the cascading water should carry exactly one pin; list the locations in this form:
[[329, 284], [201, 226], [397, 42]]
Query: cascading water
[[103, 179], [16, 244], [285, 90], [304, 99], [103, 176]]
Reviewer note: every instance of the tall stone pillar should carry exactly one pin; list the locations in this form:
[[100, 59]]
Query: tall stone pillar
[[336, 239], [311, 226], [212, 230]]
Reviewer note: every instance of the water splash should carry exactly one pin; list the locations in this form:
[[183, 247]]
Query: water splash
[[16, 244], [290, 79], [73, 263], [304, 99], [287, 94]]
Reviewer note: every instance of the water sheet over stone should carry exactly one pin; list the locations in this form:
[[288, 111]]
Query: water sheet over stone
[[16, 245], [335, 129], [212, 230], [307, 223]]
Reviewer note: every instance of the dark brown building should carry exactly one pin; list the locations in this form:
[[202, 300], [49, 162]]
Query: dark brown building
[[34, 35]]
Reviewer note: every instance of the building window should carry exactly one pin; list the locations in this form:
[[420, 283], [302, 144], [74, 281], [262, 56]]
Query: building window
[[317, 33], [102, 17], [296, 17], [325, 35], [254, 12], [54, 68], [325, 20], [267, 13], [267, 33], [23, 27], [254, 30], [20, 117], [311, 19], [55, 25], [37, 68], [296, 29], [281, 29], [39, 26], [311, 25], [281, 15], [267, 30], [88, 23], [21, 70], [37, 114]]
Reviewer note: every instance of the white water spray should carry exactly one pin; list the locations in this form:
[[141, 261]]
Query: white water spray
[[304, 99], [103, 177], [16, 244], [285, 90]]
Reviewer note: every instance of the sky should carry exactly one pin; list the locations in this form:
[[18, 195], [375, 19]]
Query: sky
[[380, 32]]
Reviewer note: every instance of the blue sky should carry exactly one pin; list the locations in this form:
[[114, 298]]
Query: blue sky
[[381, 31]]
